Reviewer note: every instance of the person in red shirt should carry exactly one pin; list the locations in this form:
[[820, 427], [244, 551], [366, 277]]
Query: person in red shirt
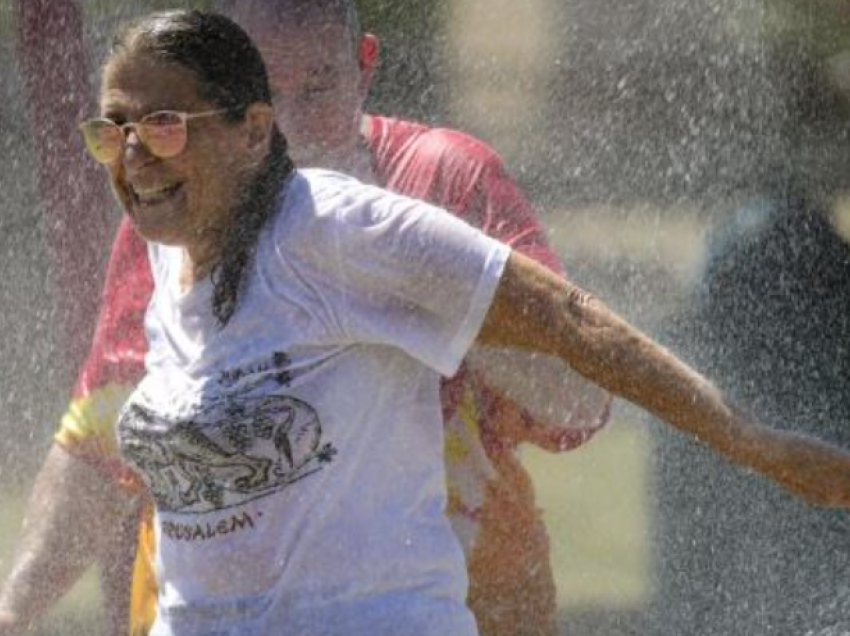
[[321, 67]]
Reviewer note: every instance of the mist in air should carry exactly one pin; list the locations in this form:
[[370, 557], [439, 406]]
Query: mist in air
[[690, 162]]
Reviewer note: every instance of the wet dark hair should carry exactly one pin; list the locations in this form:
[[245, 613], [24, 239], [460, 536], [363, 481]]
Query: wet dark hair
[[231, 75]]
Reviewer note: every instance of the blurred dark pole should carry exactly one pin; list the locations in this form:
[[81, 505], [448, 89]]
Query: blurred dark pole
[[54, 65]]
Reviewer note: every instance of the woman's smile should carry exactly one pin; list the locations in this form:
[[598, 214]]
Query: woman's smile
[[154, 195], [156, 206]]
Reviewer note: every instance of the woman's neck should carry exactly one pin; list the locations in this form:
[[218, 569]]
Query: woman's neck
[[200, 258]]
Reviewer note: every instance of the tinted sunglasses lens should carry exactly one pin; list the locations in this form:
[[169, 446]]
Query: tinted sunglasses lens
[[163, 133], [103, 139]]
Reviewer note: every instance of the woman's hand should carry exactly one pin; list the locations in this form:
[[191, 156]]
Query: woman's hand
[[808, 468]]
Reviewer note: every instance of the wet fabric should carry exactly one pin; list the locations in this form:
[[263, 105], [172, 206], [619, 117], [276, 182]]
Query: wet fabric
[[491, 499], [295, 455], [115, 363]]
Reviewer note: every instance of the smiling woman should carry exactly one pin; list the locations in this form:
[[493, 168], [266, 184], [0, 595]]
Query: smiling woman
[[218, 436], [189, 200], [289, 428], [170, 202]]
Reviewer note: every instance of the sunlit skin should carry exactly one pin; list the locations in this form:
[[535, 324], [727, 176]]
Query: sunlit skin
[[320, 80], [184, 200]]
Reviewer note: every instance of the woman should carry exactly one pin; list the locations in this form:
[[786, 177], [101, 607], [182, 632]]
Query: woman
[[289, 427]]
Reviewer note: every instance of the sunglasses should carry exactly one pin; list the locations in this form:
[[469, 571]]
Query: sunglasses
[[164, 133]]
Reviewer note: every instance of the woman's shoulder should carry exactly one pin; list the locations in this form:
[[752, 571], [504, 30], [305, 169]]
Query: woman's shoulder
[[316, 193], [322, 200], [334, 191], [328, 213], [316, 208]]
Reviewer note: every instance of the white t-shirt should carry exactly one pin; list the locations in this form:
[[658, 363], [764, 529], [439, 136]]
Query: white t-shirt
[[296, 456]]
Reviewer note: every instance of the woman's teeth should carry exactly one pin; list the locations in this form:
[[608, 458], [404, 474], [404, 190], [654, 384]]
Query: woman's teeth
[[155, 194]]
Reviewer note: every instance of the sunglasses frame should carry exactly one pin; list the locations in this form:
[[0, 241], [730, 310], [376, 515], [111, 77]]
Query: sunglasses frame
[[139, 127]]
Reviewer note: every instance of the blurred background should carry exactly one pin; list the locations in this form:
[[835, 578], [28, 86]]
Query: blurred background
[[690, 160]]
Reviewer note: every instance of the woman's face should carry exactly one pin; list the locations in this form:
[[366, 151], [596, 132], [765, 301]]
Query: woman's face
[[186, 199]]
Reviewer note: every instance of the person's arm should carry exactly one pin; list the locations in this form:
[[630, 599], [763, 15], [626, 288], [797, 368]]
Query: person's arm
[[71, 519], [117, 559], [83, 507], [536, 310]]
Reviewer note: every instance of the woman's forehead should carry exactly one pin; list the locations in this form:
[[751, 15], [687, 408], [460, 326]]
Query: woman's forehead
[[138, 82]]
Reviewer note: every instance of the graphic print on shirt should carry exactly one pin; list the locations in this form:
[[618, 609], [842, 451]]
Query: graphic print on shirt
[[232, 450]]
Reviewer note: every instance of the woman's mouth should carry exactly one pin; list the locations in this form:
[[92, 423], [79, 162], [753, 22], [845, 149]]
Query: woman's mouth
[[154, 195]]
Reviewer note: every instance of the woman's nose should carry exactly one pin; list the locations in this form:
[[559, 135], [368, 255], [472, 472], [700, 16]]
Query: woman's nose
[[135, 152]]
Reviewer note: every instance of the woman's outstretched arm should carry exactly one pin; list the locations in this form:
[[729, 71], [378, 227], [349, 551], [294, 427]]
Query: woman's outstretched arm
[[535, 310]]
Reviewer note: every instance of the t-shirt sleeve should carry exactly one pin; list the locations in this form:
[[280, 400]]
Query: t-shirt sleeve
[[559, 409], [115, 362], [408, 274]]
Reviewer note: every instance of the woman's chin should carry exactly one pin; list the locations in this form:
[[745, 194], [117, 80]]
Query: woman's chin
[[158, 224], [153, 232]]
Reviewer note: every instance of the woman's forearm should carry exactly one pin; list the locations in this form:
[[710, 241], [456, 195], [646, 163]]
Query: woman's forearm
[[648, 375], [535, 310]]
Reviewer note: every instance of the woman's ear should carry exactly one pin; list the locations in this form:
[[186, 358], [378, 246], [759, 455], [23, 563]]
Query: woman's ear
[[259, 119]]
